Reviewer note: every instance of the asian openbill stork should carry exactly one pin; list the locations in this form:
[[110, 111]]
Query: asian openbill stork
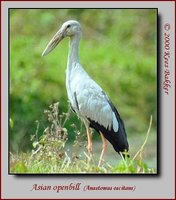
[[87, 98]]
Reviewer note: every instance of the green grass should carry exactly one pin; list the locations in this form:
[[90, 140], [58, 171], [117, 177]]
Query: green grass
[[51, 155]]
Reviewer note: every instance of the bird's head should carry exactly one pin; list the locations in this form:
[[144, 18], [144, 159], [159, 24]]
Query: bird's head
[[69, 28]]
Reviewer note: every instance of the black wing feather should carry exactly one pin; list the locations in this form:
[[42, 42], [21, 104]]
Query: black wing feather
[[117, 139]]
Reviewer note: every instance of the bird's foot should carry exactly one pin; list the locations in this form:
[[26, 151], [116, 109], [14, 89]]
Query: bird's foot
[[100, 162], [104, 147]]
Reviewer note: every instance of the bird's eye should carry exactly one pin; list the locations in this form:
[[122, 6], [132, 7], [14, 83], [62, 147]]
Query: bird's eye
[[68, 26]]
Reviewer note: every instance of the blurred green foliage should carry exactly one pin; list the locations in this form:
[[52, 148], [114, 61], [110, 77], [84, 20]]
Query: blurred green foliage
[[118, 50]]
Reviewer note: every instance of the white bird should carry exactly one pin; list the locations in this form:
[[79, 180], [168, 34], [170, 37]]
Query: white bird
[[87, 98]]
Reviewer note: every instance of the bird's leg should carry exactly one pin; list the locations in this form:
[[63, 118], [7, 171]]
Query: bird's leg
[[89, 141], [104, 147]]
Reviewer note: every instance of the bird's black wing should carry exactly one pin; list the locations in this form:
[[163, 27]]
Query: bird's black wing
[[117, 139]]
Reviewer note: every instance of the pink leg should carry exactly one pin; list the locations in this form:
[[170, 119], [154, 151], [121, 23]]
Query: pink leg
[[89, 141], [104, 147]]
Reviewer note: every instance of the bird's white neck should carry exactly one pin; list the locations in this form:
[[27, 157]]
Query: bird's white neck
[[73, 58], [73, 50]]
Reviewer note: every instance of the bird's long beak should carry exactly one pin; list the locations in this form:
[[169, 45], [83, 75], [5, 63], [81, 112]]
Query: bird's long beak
[[54, 42]]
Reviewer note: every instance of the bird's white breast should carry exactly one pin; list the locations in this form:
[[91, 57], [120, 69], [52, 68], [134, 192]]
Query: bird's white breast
[[90, 101]]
